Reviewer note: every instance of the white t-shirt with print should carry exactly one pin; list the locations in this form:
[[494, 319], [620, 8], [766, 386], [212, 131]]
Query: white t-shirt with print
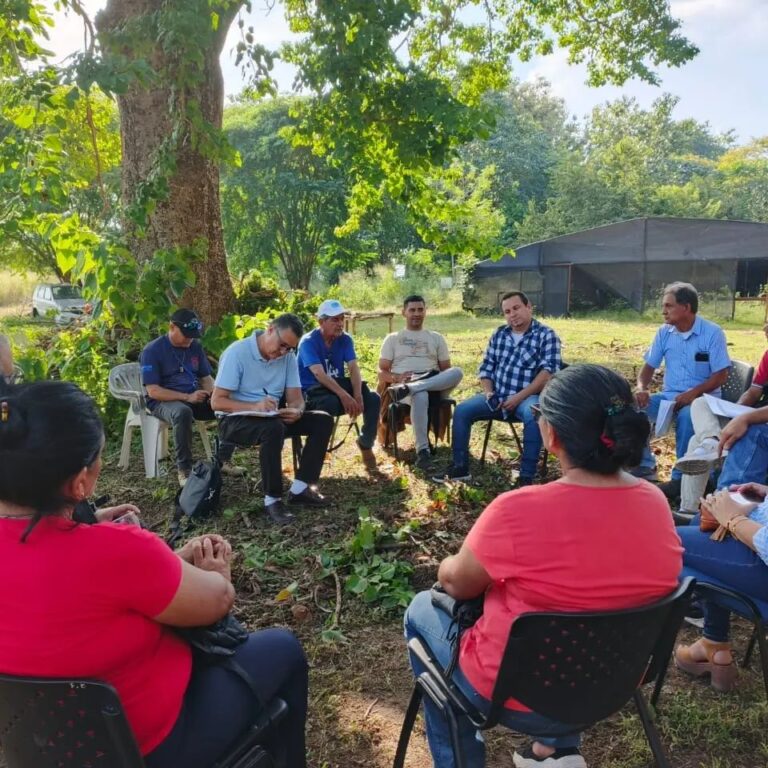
[[417, 351]]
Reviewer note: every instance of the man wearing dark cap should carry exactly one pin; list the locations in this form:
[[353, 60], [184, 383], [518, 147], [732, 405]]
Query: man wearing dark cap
[[177, 376]]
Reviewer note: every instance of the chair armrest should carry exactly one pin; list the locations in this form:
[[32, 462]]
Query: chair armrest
[[441, 690]]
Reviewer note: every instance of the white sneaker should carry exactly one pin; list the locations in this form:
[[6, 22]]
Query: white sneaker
[[701, 459], [183, 475]]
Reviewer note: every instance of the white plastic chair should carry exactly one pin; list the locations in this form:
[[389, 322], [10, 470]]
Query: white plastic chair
[[125, 384]]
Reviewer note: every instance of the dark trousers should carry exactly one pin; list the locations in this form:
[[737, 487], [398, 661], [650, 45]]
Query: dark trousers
[[319, 398], [270, 433], [219, 707], [182, 416]]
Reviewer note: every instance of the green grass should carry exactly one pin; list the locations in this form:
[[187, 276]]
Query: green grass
[[360, 681]]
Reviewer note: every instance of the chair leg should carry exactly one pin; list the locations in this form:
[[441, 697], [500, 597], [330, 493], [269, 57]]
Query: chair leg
[[151, 438], [485, 442], [659, 684], [392, 419], [125, 449], [646, 718], [750, 647], [407, 729], [763, 648], [203, 432]]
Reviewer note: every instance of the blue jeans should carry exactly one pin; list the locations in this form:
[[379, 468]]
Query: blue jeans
[[476, 409], [747, 460], [683, 430], [730, 562], [422, 619]]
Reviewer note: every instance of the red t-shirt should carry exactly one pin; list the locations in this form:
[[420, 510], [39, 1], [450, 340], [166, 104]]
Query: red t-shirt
[[78, 601], [761, 374], [564, 547]]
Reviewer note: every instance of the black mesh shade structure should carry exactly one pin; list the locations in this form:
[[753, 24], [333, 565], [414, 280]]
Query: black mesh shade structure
[[575, 668]]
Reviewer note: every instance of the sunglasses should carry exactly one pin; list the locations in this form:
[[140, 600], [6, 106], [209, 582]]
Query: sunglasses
[[536, 411], [283, 346]]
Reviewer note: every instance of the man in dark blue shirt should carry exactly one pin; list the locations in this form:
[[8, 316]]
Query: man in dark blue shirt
[[322, 356], [177, 376]]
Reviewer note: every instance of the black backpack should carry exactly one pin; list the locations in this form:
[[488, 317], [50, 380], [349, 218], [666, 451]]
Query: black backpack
[[198, 499]]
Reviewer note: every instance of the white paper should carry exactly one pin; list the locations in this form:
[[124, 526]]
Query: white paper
[[725, 408], [664, 417], [258, 414]]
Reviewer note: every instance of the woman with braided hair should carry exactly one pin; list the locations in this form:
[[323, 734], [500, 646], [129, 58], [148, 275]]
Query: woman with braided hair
[[597, 539]]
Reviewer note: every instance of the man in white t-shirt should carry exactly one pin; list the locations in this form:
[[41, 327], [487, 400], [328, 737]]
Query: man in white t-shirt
[[415, 362]]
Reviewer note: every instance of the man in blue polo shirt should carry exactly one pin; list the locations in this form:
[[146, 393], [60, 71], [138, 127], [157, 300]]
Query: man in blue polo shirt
[[521, 357], [322, 356], [696, 361], [177, 377], [255, 375]]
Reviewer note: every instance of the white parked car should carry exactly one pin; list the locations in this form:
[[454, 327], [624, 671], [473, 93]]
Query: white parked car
[[65, 303]]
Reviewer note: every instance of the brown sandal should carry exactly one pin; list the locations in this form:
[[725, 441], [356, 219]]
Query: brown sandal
[[723, 676]]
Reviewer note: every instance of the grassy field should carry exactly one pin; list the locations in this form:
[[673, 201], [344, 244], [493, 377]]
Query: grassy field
[[391, 530]]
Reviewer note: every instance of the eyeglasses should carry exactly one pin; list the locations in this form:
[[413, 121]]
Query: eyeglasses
[[536, 411], [283, 346]]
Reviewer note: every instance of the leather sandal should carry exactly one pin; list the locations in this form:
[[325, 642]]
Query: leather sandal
[[723, 676]]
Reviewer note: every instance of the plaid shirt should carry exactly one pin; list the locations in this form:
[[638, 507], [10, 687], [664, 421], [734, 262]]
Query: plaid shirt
[[512, 367]]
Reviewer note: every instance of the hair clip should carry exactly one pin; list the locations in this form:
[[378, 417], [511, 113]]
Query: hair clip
[[4, 411], [607, 442]]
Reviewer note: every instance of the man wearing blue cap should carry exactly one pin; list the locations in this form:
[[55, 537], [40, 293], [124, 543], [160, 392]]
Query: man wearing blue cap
[[177, 376], [322, 356]]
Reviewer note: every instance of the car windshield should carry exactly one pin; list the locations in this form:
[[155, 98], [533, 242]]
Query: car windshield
[[66, 292]]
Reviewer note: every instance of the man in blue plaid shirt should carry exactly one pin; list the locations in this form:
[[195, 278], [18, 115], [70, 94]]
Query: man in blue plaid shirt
[[521, 357]]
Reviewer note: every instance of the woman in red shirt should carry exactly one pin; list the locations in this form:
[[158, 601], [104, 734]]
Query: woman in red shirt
[[596, 539], [99, 601]]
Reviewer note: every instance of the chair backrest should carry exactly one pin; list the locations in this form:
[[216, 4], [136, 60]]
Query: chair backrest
[[738, 381], [125, 384], [64, 724], [579, 668]]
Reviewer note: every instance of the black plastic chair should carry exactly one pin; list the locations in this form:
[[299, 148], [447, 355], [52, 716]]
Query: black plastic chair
[[434, 423], [576, 668], [47, 723], [753, 610], [738, 381], [544, 457]]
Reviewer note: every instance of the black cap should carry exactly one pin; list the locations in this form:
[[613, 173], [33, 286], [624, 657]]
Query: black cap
[[188, 323]]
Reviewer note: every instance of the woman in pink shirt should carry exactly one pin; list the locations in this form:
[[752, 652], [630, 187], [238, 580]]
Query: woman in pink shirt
[[596, 539], [99, 601]]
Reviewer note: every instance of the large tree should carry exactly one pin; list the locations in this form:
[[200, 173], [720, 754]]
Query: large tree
[[395, 85]]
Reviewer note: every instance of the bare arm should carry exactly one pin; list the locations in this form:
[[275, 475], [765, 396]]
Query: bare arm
[[541, 378], [643, 382], [387, 377], [202, 598], [717, 379], [462, 576], [206, 383], [221, 400], [357, 380], [751, 396], [328, 381]]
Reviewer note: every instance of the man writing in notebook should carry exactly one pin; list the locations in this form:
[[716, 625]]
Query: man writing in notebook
[[696, 361], [255, 375]]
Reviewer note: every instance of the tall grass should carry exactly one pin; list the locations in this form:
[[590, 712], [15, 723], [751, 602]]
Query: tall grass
[[16, 289]]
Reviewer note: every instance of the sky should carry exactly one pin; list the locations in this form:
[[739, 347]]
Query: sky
[[722, 85]]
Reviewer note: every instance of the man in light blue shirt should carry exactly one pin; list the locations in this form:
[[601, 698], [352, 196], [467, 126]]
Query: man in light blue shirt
[[255, 375], [696, 361]]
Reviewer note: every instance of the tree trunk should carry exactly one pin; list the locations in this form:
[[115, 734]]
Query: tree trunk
[[191, 209]]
